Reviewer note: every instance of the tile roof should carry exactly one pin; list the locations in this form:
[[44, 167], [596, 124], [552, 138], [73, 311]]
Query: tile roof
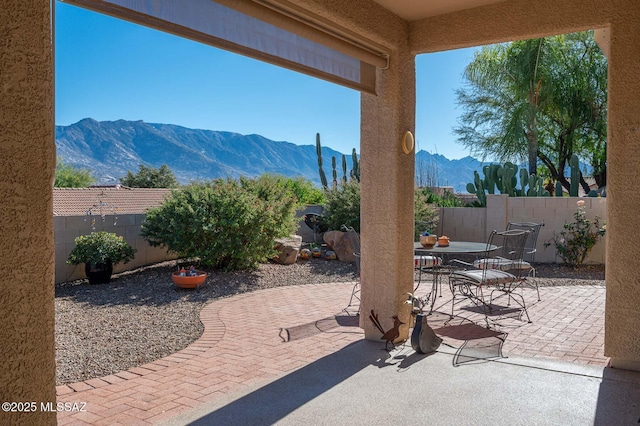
[[115, 200]]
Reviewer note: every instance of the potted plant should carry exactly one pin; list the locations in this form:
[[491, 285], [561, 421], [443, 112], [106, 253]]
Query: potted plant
[[189, 278], [99, 251]]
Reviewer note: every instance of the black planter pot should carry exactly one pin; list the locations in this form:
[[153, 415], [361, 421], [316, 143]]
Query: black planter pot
[[98, 273]]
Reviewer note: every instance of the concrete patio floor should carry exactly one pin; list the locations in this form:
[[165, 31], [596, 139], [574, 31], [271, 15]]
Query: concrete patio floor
[[241, 371]]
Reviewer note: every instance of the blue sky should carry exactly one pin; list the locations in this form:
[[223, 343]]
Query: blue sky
[[110, 69]]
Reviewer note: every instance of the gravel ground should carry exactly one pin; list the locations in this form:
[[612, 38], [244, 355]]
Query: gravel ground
[[140, 316]]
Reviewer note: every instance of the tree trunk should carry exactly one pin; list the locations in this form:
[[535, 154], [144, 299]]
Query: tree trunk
[[601, 178], [533, 152], [584, 184]]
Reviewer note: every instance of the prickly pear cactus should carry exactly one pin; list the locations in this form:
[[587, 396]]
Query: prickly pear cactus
[[559, 191], [505, 179], [509, 180], [478, 189], [524, 180], [533, 188]]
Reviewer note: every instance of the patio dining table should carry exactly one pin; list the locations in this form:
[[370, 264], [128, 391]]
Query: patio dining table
[[454, 247]]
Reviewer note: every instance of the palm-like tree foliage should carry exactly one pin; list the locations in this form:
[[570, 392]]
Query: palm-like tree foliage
[[539, 100], [502, 101]]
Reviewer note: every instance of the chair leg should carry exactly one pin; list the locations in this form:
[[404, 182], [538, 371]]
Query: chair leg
[[511, 294], [354, 295], [532, 274]]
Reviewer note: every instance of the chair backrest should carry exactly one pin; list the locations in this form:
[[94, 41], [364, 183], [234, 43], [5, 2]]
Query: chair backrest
[[532, 239], [510, 249]]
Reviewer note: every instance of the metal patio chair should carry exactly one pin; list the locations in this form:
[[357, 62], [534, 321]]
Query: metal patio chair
[[354, 239], [495, 271], [529, 254]]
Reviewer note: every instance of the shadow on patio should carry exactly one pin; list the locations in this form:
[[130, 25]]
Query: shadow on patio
[[362, 384]]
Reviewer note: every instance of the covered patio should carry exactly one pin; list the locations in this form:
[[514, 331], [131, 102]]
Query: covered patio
[[304, 351], [373, 46]]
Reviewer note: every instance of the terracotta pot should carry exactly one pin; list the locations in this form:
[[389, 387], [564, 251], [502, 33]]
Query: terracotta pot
[[98, 273], [428, 240], [189, 281]]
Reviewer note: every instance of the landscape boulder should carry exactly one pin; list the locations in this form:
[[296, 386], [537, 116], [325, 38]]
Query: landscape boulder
[[288, 249], [340, 243]]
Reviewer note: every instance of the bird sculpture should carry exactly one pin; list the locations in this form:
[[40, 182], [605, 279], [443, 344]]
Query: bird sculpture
[[390, 335]]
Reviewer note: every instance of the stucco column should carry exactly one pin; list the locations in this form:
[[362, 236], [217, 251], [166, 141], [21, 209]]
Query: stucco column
[[27, 155], [622, 309], [386, 211]]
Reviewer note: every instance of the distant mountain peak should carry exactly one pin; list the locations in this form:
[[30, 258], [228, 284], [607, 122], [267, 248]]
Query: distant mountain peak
[[111, 148]]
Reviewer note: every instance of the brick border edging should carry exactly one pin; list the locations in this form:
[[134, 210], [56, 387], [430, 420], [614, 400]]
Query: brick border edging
[[214, 330]]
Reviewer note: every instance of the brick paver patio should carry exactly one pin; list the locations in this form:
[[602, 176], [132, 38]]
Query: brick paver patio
[[242, 346]]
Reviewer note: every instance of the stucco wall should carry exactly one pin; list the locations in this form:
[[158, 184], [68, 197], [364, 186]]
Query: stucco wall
[[27, 155], [27, 147]]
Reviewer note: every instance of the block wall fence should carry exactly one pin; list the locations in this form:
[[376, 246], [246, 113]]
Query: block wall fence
[[475, 224], [67, 228], [458, 223]]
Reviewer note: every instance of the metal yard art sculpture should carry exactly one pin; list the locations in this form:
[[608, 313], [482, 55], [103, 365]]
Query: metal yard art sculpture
[[390, 335]]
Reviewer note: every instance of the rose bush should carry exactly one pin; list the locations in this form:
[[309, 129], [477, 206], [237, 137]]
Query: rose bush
[[577, 238]]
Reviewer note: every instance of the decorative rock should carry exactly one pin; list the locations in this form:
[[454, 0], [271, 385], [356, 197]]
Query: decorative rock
[[340, 243], [288, 249], [330, 255], [305, 254], [316, 252]]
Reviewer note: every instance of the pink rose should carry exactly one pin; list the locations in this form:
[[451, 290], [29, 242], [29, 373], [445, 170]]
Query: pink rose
[[580, 203]]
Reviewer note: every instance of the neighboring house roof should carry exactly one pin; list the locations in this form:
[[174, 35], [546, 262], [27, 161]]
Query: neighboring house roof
[[115, 200]]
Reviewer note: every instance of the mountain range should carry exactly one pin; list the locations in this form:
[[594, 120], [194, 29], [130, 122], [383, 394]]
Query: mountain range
[[111, 148]]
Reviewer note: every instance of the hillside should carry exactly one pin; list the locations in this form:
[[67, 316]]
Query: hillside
[[110, 148]]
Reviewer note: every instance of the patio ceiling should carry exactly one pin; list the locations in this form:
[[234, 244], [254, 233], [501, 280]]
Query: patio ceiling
[[412, 10]]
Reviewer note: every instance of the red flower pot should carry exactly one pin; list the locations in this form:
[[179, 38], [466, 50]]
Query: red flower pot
[[189, 281]]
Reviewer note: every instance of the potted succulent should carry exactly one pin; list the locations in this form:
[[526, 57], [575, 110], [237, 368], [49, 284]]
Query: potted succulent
[[99, 251]]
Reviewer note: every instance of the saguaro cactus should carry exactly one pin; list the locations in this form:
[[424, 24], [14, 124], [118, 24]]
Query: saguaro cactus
[[323, 177], [334, 171], [344, 168], [355, 168]]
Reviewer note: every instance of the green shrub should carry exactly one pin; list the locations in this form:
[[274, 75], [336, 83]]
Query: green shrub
[[303, 189], [425, 215], [150, 177], [343, 208], [225, 223], [447, 199], [69, 176], [577, 238], [343, 205], [100, 247]]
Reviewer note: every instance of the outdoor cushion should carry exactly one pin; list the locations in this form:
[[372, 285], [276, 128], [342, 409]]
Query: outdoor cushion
[[426, 261], [501, 264], [490, 276]]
